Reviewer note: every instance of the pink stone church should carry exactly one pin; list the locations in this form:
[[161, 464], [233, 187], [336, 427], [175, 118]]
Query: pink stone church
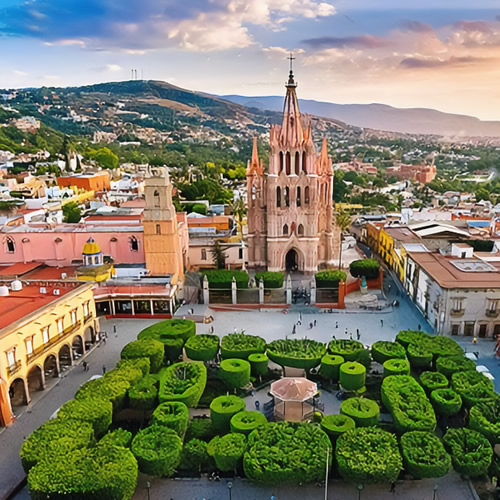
[[291, 223]]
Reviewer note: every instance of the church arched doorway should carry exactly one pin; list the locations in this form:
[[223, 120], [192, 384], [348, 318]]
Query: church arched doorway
[[291, 260]]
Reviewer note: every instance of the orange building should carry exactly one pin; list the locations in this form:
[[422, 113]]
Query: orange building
[[220, 222], [100, 181]]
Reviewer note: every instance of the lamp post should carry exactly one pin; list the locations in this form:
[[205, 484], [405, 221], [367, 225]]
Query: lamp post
[[435, 492], [148, 486], [229, 487], [360, 487], [326, 473]]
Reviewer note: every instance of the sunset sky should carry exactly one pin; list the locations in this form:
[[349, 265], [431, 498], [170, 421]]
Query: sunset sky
[[442, 54]]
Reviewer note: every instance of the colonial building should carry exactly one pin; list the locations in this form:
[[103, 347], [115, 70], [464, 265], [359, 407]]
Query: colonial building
[[290, 207]]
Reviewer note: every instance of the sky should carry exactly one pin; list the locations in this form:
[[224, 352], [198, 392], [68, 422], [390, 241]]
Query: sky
[[441, 54]]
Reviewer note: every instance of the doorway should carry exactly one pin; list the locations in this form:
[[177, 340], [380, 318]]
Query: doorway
[[291, 260]]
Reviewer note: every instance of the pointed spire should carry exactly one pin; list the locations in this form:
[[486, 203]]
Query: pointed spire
[[255, 152], [292, 132], [255, 165], [324, 160]]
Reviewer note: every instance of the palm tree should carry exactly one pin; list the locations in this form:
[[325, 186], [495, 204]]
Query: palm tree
[[239, 209], [343, 221]]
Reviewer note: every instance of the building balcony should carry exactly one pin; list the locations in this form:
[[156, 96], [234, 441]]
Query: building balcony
[[492, 313], [88, 317], [457, 312], [12, 369]]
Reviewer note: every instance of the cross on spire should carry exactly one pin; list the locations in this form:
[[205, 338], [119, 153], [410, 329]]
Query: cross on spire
[[291, 82], [291, 59]]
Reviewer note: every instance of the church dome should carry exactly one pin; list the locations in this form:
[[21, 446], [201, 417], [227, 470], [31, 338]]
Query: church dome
[[91, 247]]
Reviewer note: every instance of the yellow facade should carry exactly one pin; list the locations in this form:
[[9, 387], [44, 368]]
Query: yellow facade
[[386, 247], [44, 342]]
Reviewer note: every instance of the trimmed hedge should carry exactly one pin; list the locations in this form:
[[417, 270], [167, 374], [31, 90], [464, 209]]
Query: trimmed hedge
[[98, 412], [424, 455], [223, 278], [471, 452], [448, 365], [425, 345], [369, 268], [143, 394], [118, 437], [368, 455], [330, 366], [145, 348], [235, 373], [336, 425], [407, 402], [329, 278], [352, 376], [157, 450], [200, 428], [169, 329], [245, 422], [271, 280], [222, 410], [173, 349], [473, 387], [286, 452], [229, 451], [241, 345], [296, 353], [258, 364], [184, 382], [194, 456], [202, 347], [419, 356], [396, 366], [144, 364], [383, 350], [174, 415], [350, 350], [407, 337], [446, 402], [433, 380], [365, 412], [485, 418]]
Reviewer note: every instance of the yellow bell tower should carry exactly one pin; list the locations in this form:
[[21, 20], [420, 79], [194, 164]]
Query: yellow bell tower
[[162, 246]]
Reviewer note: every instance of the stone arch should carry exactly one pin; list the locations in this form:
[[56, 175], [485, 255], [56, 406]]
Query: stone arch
[[51, 366], [18, 392], [89, 337], [288, 159], [65, 357], [156, 198], [134, 244], [36, 379], [300, 230], [297, 163], [77, 347], [293, 259], [278, 197]]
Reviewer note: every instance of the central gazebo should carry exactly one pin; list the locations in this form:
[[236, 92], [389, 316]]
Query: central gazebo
[[293, 398]]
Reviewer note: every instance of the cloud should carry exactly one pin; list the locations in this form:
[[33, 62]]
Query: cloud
[[362, 42], [416, 27], [431, 63]]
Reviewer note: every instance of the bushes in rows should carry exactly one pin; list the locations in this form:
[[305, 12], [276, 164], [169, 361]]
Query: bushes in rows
[[352, 376], [369, 268], [421, 345], [405, 399], [296, 353], [229, 451], [473, 387], [174, 415], [143, 394], [98, 412], [157, 449], [143, 364], [222, 409], [286, 452], [270, 279], [485, 418], [433, 380], [396, 367], [194, 456], [169, 329], [183, 382], [350, 350], [241, 345], [419, 356], [200, 428], [329, 278], [223, 278], [383, 350], [118, 437], [330, 366], [202, 347], [335, 425], [245, 422], [407, 337], [258, 364], [145, 348], [365, 412], [235, 373], [471, 452], [368, 455], [424, 455], [448, 365], [446, 402]]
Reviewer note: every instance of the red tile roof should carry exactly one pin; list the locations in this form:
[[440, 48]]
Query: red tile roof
[[19, 269]]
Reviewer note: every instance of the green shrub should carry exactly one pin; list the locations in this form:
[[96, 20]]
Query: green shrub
[[485, 418], [336, 425], [142, 363], [174, 415], [365, 412], [473, 387], [297, 353], [330, 366], [350, 350], [118, 437], [169, 329], [223, 278], [145, 348], [200, 428], [352, 376], [424, 455], [383, 350], [199, 208], [98, 412], [157, 450], [433, 380], [173, 349], [396, 366], [471, 452], [229, 451], [245, 422], [184, 382], [448, 365], [194, 456], [143, 394], [419, 356], [222, 409], [241, 345], [258, 364], [54, 439], [286, 452], [425, 345], [235, 373], [446, 402], [407, 337], [368, 455], [405, 399], [271, 280], [202, 347], [369, 268], [329, 278]]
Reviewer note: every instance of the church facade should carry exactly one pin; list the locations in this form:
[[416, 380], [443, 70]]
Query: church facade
[[290, 207]]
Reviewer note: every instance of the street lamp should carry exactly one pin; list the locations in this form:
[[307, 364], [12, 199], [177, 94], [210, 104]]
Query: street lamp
[[148, 486], [229, 487], [360, 487], [435, 492]]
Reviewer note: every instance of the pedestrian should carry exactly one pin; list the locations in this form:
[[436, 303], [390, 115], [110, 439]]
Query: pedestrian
[[333, 337], [84, 366], [336, 324], [310, 326], [114, 328], [345, 333], [314, 322], [350, 335], [300, 316], [419, 326], [358, 335], [87, 367], [474, 340], [381, 322], [393, 487], [103, 369], [294, 329]]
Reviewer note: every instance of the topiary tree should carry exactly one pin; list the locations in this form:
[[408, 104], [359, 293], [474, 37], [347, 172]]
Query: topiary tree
[[336, 425], [304, 354], [433, 380], [145, 348], [200, 428], [174, 415], [143, 394], [270, 279], [183, 382], [352, 376], [383, 350], [419, 355], [246, 421], [473, 387], [202, 347], [330, 366], [329, 278], [350, 350], [229, 451], [446, 402], [241, 345], [98, 412], [194, 456], [223, 278], [485, 418], [117, 437], [222, 409], [169, 329], [235, 373], [369, 268], [259, 364], [448, 365], [173, 349], [365, 412], [396, 367]]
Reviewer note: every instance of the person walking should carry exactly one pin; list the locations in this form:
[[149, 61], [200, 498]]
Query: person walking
[[103, 369], [314, 322], [350, 335], [84, 364], [87, 367], [382, 322], [294, 329], [336, 324], [358, 335], [346, 332]]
